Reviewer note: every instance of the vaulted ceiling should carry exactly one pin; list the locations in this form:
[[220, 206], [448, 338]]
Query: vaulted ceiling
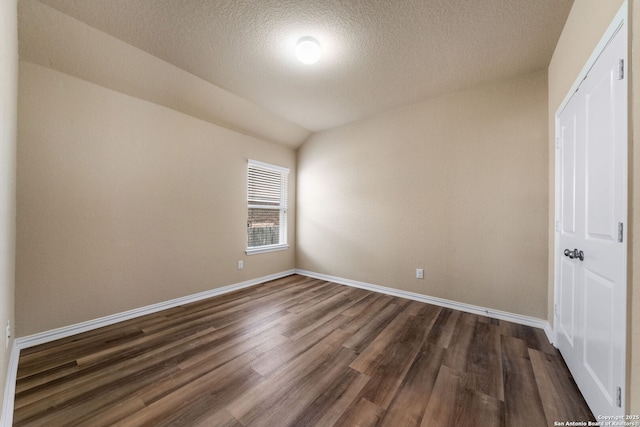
[[377, 54]]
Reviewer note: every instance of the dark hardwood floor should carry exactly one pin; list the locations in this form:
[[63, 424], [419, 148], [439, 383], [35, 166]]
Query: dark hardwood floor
[[299, 352]]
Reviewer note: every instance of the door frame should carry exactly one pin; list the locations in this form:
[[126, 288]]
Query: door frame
[[621, 18]]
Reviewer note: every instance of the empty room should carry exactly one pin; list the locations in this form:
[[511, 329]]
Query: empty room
[[302, 213]]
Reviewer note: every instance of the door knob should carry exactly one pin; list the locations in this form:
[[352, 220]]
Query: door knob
[[574, 254]]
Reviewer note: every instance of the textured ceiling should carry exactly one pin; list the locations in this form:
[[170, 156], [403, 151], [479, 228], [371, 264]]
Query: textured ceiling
[[377, 54]]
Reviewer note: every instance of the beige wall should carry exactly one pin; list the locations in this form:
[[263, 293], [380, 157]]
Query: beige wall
[[456, 185], [8, 97], [584, 28], [124, 203], [634, 295]]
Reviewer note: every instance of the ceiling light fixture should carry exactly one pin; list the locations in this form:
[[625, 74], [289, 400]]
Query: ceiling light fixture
[[308, 50]]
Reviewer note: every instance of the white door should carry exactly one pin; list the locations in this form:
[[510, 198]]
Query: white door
[[591, 212]]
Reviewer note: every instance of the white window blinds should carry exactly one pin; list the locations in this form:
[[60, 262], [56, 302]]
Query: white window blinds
[[267, 196]]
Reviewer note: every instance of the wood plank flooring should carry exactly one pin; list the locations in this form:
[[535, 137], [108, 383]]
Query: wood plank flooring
[[299, 352]]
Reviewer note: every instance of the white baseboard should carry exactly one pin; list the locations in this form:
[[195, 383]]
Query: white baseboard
[[55, 334], [469, 308], [66, 331], [10, 387], [551, 336]]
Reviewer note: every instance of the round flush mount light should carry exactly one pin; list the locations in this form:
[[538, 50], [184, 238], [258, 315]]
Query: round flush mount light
[[308, 50]]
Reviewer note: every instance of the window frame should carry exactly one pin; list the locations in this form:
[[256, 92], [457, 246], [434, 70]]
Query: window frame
[[283, 207]]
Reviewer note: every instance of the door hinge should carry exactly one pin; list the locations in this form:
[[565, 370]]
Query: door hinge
[[555, 309], [620, 232], [557, 142], [619, 397], [620, 69]]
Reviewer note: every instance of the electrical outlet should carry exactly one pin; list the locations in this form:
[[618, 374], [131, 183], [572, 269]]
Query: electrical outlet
[[419, 273], [240, 265], [7, 336]]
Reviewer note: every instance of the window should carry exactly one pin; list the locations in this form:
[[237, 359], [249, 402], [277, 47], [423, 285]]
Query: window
[[267, 190]]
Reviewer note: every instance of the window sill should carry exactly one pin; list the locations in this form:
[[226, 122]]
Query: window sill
[[265, 249]]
